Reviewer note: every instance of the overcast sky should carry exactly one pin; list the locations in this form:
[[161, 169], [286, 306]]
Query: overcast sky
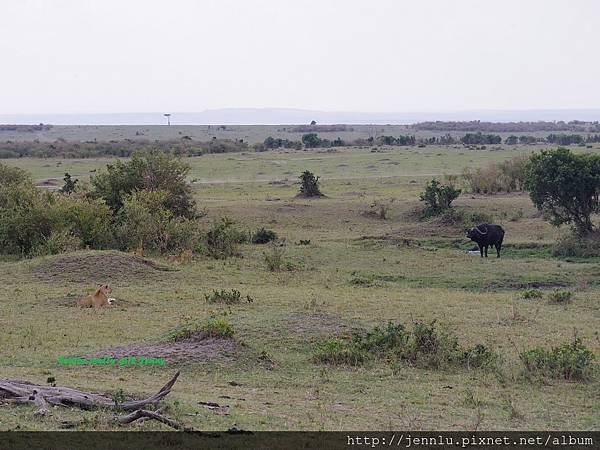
[[88, 56]]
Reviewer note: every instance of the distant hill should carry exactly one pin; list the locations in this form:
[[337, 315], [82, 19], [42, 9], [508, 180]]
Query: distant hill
[[281, 116]]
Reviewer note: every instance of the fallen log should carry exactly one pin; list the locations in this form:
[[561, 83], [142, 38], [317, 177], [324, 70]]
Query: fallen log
[[23, 392]]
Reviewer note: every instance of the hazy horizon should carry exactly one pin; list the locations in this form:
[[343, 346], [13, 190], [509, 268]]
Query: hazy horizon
[[92, 57], [286, 116]]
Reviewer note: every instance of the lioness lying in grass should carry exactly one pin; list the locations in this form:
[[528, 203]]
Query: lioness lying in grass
[[99, 298]]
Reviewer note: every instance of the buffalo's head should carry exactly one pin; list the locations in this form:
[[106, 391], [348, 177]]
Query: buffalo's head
[[470, 233], [476, 232]]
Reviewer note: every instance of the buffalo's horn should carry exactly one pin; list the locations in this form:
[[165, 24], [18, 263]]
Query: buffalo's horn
[[480, 232]]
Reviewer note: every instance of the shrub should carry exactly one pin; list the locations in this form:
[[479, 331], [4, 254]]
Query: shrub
[[10, 176], [70, 184], [149, 171], [479, 357], [380, 340], [90, 220], [560, 297], [532, 293], [309, 185], [573, 245], [506, 176], [212, 327], [218, 328], [58, 242], [232, 297], [425, 346], [222, 240], [24, 216], [438, 197], [263, 236], [361, 280], [461, 217], [274, 256], [337, 351], [571, 361]]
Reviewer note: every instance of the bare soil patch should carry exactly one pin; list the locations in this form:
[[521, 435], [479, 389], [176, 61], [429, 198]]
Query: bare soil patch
[[196, 348], [98, 267]]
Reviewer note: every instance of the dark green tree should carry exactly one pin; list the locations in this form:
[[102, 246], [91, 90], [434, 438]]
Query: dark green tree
[[69, 185], [566, 186], [311, 140], [309, 185]]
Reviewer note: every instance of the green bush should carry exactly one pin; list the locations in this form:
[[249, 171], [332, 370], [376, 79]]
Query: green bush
[[438, 197], [560, 297], [222, 240], [571, 361], [479, 357], [380, 340], [148, 171], [223, 296], [218, 328], [88, 219], [263, 236], [337, 351], [212, 327], [58, 242], [425, 345], [532, 293]]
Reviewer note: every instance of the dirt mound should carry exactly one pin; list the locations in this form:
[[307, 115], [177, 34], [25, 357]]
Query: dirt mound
[[98, 267], [196, 348]]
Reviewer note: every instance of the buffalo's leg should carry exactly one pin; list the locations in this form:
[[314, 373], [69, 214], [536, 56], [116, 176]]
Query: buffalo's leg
[[486, 249], [498, 247], [481, 249]]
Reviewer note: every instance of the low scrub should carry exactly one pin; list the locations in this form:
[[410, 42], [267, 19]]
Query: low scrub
[[263, 236], [274, 257], [529, 294], [426, 345], [560, 297], [232, 297], [223, 239], [574, 245], [215, 327], [463, 217], [571, 361], [506, 176]]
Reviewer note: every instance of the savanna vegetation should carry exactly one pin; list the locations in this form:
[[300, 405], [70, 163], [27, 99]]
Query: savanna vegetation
[[354, 310]]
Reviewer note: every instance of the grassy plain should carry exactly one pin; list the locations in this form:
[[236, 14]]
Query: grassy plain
[[419, 270]]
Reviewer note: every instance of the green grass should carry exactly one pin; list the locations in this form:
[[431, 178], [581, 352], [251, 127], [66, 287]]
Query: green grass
[[280, 386]]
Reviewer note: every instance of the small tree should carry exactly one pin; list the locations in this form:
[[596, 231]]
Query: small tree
[[309, 185], [566, 186], [311, 140], [438, 197], [69, 185]]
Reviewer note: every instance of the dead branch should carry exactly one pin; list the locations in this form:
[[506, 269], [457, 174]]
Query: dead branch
[[22, 392], [143, 414]]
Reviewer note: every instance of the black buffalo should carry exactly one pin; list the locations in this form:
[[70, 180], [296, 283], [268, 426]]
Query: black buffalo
[[486, 234]]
